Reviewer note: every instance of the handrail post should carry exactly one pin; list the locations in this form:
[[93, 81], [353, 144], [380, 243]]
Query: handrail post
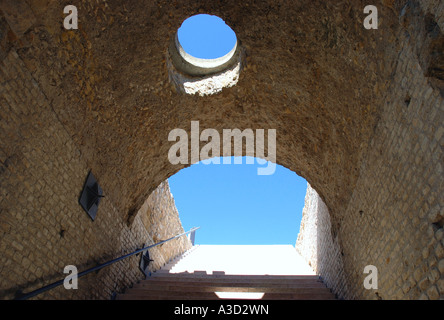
[[193, 236]]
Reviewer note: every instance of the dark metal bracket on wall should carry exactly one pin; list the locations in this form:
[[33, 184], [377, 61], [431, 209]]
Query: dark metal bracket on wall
[[90, 196], [145, 261]]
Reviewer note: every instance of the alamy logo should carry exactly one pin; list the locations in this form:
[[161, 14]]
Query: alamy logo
[[71, 20], [371, 281], [70, 281], [371, 21], [210, 152]]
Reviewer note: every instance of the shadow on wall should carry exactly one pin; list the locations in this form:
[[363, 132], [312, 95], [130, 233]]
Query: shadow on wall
[[161, 220]]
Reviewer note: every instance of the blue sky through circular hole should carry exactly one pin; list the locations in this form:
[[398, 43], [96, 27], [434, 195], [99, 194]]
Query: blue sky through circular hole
[[207, 37]]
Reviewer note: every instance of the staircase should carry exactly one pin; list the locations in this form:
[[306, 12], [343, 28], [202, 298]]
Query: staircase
[[232, 272]]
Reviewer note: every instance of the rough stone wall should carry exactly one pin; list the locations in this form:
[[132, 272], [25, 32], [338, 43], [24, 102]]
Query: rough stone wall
[[306, 243], [161, 219], [394, 220], [43, 228], [395, 217], [316, 244]]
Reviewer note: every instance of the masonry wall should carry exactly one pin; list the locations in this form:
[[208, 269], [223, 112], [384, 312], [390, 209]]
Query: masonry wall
[[43, 228], [306, 243], [395, 217], [394, 220], [318, 246], [161, 219]]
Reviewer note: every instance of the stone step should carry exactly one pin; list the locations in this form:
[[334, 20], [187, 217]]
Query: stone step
[[230, 288], [200, 285], [162, 295], [170, 264], [165, 274], [228, 284], [203, 287], [234, 280]]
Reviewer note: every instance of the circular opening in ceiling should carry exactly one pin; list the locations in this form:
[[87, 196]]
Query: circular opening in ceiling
[[207, 37], [204, 56]]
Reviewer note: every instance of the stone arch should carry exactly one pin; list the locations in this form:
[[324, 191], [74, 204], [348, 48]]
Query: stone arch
[[356, 113], [265, 97]]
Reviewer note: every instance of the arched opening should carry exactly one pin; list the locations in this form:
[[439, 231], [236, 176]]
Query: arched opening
[[249, 223], [234, 205]]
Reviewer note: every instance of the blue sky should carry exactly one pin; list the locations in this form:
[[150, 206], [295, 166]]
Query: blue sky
[[234, 205], [230, 202], [206, 36]]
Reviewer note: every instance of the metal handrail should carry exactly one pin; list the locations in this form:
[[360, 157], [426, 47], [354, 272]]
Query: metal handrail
[[96, 268]]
